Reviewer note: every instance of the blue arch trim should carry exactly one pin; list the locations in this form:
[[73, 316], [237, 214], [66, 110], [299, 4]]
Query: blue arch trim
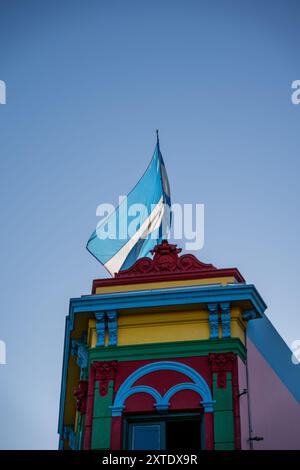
[[177, 388], [199, 385], [142, 389]]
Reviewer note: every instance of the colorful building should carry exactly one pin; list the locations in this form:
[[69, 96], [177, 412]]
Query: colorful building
[[176, 354]]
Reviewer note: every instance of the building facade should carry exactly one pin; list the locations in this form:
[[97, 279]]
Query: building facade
[[176, 354]]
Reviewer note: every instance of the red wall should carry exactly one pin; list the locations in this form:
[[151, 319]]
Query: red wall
[[162, 381]]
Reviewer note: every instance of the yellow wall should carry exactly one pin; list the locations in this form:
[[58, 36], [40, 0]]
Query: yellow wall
[[238, 325], [165, 284], [162, 325], [158, 327]]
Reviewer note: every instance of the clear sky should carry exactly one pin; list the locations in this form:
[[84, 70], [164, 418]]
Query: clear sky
[[87, 85]]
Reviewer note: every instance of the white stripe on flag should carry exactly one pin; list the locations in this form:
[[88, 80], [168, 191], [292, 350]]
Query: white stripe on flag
[[150, 224]]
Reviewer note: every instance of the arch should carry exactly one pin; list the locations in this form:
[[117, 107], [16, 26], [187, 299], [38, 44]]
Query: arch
[[142, 389], [199, 385], [177, 388]]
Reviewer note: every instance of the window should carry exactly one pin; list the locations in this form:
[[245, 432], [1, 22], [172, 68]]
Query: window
[[146, 436], [168, 432]]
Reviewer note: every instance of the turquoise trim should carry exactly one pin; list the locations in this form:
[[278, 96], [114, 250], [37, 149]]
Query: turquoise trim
[[100, 328], [199, 385], [64, 384], [169, 296], [141, 389], [112, 320], [187, 386], [71, 436], [225, 319], [249, 315], [213, 321], [80, 350]]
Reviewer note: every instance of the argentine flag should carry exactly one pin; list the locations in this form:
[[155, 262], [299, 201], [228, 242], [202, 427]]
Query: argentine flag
[[140, 222]]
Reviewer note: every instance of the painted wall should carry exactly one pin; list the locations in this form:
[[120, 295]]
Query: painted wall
[[275, 411], [274, 390], [224, 280], [243, 403], [163, 381], [159, 325], [222, 430]]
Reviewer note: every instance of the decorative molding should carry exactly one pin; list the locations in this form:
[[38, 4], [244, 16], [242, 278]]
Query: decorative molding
[[112, 324], [249, 315], [80, 393], [200, 294], [167, 265], [221, 364], [166, 260], [104, 372], [100, 328], [69, 434], [79, 349], [207, 403], [169, 276], [198, 385], [225, 319], [213, 320], [112, 328], [195, 348]]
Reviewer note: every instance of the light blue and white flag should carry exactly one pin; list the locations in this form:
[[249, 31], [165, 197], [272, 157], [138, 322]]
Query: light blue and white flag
[[140, 222]]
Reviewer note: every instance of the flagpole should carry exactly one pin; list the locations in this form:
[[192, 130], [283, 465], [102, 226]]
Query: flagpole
[[159, 156], [157, 140]]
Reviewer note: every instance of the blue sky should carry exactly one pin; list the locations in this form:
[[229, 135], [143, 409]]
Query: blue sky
[[87, 85]]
